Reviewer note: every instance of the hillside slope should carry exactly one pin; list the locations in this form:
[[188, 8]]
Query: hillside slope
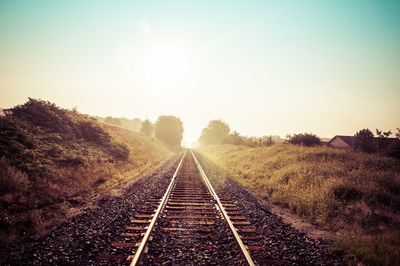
[[351, 193], [51, 158]]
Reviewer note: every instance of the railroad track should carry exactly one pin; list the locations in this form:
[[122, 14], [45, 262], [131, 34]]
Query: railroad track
[[189, 225]]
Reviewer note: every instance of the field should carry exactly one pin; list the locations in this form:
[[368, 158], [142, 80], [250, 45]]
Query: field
[[356, 195], [53, 161]]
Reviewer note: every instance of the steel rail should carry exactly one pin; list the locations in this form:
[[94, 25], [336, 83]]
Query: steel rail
[[225, 215], [139, 251]]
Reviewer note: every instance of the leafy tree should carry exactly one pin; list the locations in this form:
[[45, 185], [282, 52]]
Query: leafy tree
[[397, 134], [304, 139], [147, 128], [215, 132], [169, 129], [393, 149], [383, 140], [364, 140]]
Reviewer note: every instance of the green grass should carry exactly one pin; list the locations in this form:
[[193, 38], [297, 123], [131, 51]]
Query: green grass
[[344, 191]]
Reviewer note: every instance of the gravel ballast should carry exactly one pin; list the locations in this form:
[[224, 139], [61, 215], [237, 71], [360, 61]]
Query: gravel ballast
[[81, 239]]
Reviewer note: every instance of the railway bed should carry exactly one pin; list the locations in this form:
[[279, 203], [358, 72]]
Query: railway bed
[[189, 225]]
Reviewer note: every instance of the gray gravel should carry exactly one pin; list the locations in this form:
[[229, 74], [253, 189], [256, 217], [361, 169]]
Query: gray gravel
[[218, 247], [81, 239]]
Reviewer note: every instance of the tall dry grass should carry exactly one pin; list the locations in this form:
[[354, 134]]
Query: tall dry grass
[[345, 191], [27, 207]]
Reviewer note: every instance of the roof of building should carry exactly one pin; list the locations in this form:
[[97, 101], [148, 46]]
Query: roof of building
[[349, 140]]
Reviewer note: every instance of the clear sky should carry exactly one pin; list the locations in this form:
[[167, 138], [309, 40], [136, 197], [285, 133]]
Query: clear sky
[[265, 67]]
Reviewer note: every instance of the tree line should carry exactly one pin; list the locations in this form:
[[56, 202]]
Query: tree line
[[218, 132], [381, 143]]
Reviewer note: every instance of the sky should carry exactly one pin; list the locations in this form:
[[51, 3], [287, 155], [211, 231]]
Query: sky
[[265, 67]]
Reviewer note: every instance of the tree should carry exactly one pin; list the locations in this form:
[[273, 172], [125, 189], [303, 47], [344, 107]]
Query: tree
[[169, 129], [304, 139], [215, 132], [147, 128], [234, 138], [364, 140], [383, 140], [393, 149]]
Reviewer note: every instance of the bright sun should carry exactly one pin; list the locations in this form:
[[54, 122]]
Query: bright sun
[[165, 67]]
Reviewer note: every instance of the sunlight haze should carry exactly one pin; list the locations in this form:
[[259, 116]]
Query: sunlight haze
[[264, 67]]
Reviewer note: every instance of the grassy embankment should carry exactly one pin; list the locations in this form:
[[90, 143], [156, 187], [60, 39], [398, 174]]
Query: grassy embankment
[[53, 159], [356, 195]]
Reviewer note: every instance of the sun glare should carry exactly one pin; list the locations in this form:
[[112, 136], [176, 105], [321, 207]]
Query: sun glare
[[165, 67]]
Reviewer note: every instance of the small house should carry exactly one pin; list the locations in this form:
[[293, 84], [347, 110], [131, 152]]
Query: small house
[[339, 141]]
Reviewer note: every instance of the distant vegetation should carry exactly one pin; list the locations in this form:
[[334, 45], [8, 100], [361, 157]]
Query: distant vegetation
[[305, 139], [218, 132], [347, 191], [169, 129], [134, 124], [366, 141], [215, 132], [49, 155], [147, 128]]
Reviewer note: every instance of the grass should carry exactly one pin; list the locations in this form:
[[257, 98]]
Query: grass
[[377, 250], [348, 192], [52, 159], [145, 153]]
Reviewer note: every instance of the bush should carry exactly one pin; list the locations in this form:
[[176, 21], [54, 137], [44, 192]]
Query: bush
[[364, 141], [119, 151], [305, 139], [11, 179], [393, 149], [347, 193], [90, 131]]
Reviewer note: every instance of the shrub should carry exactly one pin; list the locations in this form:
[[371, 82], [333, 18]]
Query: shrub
[[376, 198], [305, 139], [393, 149], [347, 193], [364, 141], [119, 151], [11, 179], [90, 131]]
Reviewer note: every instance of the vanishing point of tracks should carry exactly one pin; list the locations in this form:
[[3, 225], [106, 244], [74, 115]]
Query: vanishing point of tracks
[[189, 225]]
